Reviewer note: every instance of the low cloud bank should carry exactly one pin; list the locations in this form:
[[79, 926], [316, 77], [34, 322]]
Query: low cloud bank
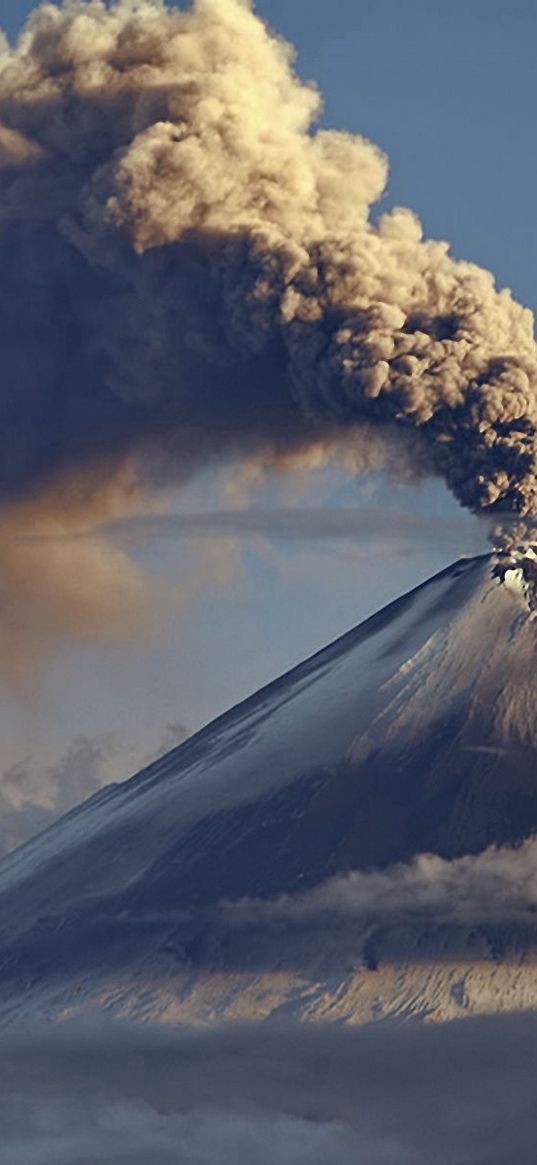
[[462, 1094]]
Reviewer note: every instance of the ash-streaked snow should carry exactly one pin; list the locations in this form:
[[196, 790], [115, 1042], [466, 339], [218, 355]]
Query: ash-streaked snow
[[414, 734]]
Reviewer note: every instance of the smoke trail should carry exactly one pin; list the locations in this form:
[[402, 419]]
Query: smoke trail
[[291, 523], [187, 270]]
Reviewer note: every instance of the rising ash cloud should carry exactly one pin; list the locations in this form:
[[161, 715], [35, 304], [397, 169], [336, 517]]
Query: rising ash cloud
[[189, 273], [189, 270]]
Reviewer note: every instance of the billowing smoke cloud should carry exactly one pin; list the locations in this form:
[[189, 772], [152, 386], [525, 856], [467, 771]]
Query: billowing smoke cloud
[[456, 1094], [497, 885], [188, 271]]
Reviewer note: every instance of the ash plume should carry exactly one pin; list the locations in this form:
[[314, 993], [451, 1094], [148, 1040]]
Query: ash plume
[[188, 270]]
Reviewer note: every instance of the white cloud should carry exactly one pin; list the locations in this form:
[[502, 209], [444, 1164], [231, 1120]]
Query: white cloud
[[497, 885]]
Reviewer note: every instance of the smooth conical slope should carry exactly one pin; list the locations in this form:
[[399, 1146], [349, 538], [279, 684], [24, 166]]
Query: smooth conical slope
[[416, 732]]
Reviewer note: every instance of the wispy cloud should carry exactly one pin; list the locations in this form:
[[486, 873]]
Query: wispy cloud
[[298, 524], [497, 885]]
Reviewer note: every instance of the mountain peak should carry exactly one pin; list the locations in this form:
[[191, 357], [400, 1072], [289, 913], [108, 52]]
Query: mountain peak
[[413, 734]]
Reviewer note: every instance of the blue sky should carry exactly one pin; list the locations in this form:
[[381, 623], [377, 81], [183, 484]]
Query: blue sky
[[449, 92]]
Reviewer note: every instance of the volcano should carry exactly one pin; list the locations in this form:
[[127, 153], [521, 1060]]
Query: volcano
[[413, 734]]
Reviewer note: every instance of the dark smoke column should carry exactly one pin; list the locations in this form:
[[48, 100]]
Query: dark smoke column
[[188, 270]]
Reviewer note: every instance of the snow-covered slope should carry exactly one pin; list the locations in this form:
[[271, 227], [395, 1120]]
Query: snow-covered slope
[[414, 733]]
